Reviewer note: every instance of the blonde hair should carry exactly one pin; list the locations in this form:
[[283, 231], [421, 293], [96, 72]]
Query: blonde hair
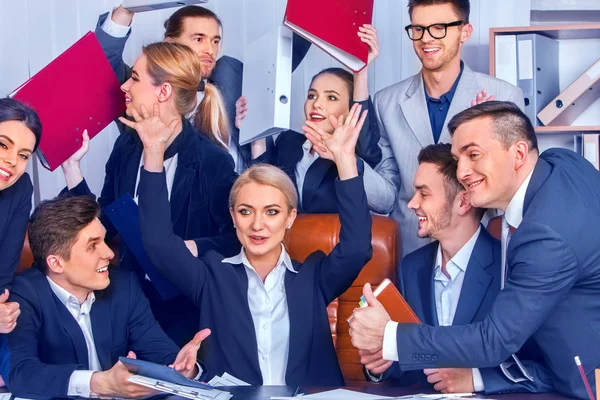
[[178, 65], [266, 174]]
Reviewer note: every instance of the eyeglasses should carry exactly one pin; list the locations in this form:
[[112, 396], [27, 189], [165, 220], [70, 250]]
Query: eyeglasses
[[436, 31]]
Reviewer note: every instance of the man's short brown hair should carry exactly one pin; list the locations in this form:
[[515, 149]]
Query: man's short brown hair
[[461, 7], [55, 225]]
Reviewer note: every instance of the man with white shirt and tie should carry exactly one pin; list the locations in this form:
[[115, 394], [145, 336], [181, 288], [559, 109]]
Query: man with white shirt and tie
[[78, 316], [552, 259], [452, 281]]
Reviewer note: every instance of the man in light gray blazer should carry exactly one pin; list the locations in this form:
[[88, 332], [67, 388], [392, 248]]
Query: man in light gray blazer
[[414, 113]]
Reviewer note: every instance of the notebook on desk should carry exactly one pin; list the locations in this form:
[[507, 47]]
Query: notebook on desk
[[393, 302], [333, 25], [124, 215], [78, 90]]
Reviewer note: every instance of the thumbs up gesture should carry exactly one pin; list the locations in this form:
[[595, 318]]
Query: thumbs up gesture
[[368, 323], [9, 311]]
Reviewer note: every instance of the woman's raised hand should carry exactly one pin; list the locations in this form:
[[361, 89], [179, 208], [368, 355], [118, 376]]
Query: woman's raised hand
[[153, 132]]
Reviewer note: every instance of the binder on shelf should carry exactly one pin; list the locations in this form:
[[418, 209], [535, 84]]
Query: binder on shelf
[[124, 215], [574, 100], [506, 58], [537, 70], [151, 5], [267, 84], [393, 302], [333, 27], [591, 142], [93, 99]]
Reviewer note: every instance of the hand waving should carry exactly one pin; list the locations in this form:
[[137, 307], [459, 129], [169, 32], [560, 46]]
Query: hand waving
[[153, 132]]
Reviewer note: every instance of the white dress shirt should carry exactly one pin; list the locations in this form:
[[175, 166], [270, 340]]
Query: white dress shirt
[[447, 294], [303, 165], [269, 309], [79, 383], [514, 210]]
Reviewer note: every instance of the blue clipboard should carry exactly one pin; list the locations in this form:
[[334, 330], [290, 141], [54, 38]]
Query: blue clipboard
[[124, 215], [160, 372]]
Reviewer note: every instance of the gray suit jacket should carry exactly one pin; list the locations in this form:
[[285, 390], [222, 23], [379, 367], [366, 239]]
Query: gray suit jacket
[[404, 125]]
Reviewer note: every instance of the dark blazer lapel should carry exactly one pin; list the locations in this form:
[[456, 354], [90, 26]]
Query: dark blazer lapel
[[186, 168], [477, 280], [299, 307], [246, 333], [127, 172], [71, 328], [426, 274], [314, 176], [414, 108], [102, 329], [541, 172]]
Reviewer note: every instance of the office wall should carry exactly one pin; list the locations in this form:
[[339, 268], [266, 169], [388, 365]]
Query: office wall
[[33, 32]]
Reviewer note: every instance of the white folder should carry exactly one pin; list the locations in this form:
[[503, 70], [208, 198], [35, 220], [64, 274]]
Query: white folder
[[151, 5], [267, 84], [506, 58]]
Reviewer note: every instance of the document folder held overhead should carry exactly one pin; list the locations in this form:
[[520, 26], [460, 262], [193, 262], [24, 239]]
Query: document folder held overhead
[[151, 5], [267, 84], [574, 100], [76, 91], [332, 25], [393, 302], [124, 215]]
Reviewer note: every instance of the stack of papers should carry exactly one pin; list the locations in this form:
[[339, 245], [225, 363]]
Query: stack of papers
[[227, 380], [344, 394]]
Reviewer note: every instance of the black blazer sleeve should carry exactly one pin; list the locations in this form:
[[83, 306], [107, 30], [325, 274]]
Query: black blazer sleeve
[[167, 251], [340, 268], [50, 380], [367, 146], [11, 244]]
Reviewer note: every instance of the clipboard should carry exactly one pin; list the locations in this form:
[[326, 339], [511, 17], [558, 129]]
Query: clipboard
[[160, 372], [124, 215], [92, 100]]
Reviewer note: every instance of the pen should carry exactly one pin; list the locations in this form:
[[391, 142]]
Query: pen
[[584, 378]]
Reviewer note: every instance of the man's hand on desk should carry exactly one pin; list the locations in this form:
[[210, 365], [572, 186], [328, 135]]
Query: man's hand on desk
[[368, 323], [114, 383], [185, 362], [451, 380], [374, 362]]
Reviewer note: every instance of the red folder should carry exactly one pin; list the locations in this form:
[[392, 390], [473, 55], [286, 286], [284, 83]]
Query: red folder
[[332, 25], [76, 91]]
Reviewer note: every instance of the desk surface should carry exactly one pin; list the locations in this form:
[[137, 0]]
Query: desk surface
[[398, 391]]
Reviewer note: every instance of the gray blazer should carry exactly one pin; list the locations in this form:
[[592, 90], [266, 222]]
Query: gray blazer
[[401, 111]]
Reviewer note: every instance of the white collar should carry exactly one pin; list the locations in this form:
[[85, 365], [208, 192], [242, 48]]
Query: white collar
[[67, 298], [284, 258], [460, 259], [514, 211]]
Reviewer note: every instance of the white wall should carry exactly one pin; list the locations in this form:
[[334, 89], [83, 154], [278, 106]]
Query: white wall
[[33, 32]]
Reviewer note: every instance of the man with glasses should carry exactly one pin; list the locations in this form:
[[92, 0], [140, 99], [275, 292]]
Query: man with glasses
[[413, 113]]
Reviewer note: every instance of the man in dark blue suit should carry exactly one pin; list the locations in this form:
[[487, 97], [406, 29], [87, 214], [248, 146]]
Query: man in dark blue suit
[[78, 317], [552, 258], [451, 281]]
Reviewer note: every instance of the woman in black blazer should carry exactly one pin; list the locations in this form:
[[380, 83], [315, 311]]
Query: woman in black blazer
[[267, 313], [331, 94], [165, 81], [20, 134]]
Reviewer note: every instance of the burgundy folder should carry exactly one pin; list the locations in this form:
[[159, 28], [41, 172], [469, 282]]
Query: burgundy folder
[[78, 90], [332, 25]]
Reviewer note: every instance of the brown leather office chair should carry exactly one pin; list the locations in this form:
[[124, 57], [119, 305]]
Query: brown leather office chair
[[313, 232], [26, 256]]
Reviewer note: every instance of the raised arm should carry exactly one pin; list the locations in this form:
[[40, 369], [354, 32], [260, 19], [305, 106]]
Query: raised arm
[[112, 32]]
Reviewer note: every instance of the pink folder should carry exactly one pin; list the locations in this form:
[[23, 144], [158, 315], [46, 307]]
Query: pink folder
[[78, 90]]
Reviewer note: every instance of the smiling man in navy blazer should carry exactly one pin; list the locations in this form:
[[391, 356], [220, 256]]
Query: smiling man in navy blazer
[[78, 317], [452, 281], [552, 259]]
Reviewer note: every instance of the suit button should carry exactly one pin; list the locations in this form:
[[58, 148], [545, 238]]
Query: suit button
[[434, 358], [415, 357], [427, 357], [421, 357]]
